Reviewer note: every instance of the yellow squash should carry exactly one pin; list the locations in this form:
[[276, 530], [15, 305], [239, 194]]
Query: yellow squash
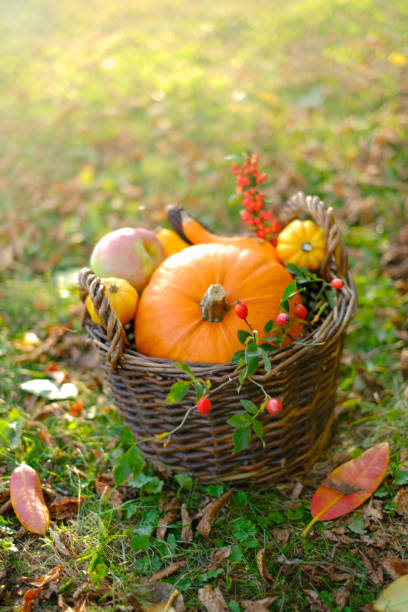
[[171, 241], [122, 297], [302, 243]]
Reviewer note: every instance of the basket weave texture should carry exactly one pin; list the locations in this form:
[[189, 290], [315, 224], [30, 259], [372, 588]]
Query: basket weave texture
[[304, 377]]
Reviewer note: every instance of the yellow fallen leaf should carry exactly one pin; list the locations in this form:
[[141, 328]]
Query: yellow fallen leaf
[[397, 58]]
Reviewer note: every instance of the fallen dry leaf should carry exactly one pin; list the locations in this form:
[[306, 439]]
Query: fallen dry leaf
[[376, 575], [343, 594], [217, 557], [60, 544], [65, 508], [395, 566], [32, 594], [281, 536], [210, 512], [169, 517], [262, 605], [212, 599], [4, 508], [186, 523], [401, 502], [263, 570], [166, 571], [29, 598], [373, 510]]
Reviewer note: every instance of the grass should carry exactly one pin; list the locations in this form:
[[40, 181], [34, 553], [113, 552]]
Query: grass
[[110, 113]]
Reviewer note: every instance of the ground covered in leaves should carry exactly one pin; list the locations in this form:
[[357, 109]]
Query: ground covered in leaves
[[110, 112]]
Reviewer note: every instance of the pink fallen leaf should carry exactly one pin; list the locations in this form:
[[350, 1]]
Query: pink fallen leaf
[[27, 499], [349, 485]]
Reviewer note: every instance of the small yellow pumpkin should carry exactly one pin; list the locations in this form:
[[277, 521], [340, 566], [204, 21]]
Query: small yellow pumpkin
[[171, 241], [302, 243], [122, 297]]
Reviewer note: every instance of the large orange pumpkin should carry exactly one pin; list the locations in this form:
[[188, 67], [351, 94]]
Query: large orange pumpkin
[[186, 311]]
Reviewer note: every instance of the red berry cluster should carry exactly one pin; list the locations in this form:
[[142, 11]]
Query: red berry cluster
[[248, 178]]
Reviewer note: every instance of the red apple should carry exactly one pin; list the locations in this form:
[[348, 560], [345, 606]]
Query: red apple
[[129, 253]]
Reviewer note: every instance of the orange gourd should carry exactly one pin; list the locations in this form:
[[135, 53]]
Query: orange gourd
[[186, 311], [197, 233]]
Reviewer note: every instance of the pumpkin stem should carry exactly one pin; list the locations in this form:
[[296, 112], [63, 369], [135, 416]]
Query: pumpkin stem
[[214, 304]]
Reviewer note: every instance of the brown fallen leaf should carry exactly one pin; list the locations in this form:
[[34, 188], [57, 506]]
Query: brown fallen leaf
[[4, 508], [395, 566], [65, 508], [373, 510], [343, 594], [263, 570], [217, 557], [60, 544], [29, 598], [376, 575], [210, 512], [63, 607], [262, 605], [4, 495], [401, 502], [32, 594], [281, 536], [186, 523], [170, 516], [166, 571], [212, 599]]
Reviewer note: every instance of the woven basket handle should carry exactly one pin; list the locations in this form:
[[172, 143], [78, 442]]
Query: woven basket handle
[[324, 216], [90, 284]]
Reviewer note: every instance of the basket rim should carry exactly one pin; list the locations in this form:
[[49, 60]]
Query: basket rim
[[333, 325]]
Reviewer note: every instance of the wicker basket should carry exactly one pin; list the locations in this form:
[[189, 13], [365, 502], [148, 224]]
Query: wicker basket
[[303, 377]]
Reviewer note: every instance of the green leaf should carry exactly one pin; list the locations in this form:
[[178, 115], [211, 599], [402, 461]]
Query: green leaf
[[266, 360], [184, 481], [402, 478], [269, 326], [122, 469], [136, 460], [241, 438], [239, 420], [258, 429], [185, 368], [124, 434], [249, 406], [251, 349], [178, 391], [252, 365], [130, 462], [243, 334], [289, 292], [238, 357], [243, 529]]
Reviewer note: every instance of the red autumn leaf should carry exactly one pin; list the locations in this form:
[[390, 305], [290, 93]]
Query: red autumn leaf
[[27, 499], [350, 484]]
